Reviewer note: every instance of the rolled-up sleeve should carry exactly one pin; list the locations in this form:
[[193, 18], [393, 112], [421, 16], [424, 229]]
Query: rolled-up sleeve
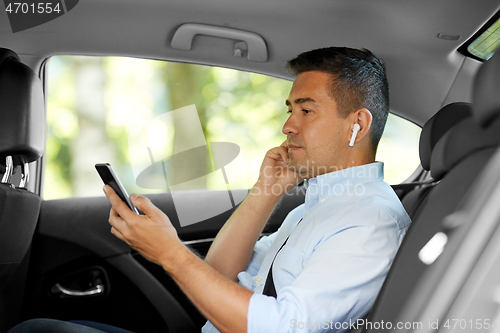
[[259, 253]]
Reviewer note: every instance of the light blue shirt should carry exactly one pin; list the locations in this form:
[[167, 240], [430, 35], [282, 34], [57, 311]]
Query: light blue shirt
[[332, 267]]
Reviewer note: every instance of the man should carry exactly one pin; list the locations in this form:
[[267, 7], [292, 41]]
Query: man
[[335, 260], [327, 262]]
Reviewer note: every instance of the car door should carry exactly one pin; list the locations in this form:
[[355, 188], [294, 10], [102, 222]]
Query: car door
[[79, 270]]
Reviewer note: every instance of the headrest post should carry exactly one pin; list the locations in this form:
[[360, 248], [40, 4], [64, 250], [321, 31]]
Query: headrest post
[[9, 167], [25, 175]]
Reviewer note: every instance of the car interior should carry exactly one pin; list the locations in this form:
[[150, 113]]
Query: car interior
[[58, 258]]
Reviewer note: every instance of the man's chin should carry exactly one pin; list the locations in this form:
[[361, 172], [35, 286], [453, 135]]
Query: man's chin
[[301, 170]]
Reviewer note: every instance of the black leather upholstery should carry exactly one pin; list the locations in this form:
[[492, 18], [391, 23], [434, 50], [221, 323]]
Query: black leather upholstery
[[463, 155], [437, 126], [440, 201], [465, 139], [22, 133], [21, 95], [486, 90], [433, 130]]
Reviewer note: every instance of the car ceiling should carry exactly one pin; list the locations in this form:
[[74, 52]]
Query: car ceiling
[[424, 71]]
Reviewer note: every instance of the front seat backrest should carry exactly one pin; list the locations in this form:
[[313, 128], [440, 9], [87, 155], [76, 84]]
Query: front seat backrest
[[22, 132], [433, 130], [485, 94], [483, 142], [458, 157]]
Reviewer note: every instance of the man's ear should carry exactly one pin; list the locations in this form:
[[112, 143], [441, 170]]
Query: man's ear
[[362, 117]]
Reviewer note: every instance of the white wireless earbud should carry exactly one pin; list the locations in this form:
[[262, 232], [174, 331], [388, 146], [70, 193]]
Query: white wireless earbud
[[355, 131]]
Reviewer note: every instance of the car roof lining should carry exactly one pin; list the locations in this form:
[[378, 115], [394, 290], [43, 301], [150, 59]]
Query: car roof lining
[[129, 28]]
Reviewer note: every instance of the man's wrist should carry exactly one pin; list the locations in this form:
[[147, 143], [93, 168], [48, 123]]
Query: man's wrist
[[175, 258]]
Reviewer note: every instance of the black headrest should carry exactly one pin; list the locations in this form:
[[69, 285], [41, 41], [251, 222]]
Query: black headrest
[[486, 92], [461, 141], [437, 126], [22, 110]]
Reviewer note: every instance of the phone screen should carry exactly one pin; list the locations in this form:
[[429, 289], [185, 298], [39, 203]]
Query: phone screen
[[110, 178]]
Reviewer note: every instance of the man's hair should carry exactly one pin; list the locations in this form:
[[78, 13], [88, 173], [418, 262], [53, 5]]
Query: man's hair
[[358, 81]]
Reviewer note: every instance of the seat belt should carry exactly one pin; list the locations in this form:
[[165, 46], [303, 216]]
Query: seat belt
[[403, 189], [269, 288], [407, 187]]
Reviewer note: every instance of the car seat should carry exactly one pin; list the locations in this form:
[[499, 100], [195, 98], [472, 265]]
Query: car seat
[[459, 285], [457, 159], [434, 129], [22, 124]]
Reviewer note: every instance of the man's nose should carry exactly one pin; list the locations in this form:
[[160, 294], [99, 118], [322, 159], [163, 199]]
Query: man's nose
[[291, 126]]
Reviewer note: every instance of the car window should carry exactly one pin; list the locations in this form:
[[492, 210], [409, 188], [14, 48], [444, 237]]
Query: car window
[[165, 125], [398, 149]]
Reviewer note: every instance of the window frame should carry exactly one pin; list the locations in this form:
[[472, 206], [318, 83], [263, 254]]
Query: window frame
[[463, 48]]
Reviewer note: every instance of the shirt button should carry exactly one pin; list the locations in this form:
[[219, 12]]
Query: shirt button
[[259, 279], [307, 212], [323, 200]]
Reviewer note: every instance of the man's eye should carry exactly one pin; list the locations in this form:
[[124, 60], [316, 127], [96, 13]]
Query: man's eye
[[305, 111], [289, 111]]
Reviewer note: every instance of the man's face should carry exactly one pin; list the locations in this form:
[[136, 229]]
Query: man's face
[[316, 134]]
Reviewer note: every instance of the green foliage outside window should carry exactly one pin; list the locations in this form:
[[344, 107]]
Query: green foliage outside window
[[95, 103], [486, 44]]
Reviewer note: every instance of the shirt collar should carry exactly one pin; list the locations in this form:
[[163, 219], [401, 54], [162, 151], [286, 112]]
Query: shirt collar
[[335, 183]]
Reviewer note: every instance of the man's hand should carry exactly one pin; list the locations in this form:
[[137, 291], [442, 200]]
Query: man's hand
[[152, 235], [233, 246], [223, 302], [275, 176]]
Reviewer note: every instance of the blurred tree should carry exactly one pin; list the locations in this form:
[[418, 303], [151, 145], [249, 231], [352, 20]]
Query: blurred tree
[[184, 84], [91, 140], [62, 126]]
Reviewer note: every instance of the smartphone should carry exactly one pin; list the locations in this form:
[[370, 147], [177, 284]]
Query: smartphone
[[110, 178]]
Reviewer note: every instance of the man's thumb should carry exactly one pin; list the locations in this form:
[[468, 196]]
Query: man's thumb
[[144, 204]]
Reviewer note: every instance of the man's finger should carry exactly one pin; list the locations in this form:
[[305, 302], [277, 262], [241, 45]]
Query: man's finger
[[115, 219], [146, 206], [121, 208], [282, 151], [279, 153], [118, 234], [117, 223]]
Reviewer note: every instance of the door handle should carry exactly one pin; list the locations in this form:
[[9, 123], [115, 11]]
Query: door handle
[[63, 292], [183, 38]]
